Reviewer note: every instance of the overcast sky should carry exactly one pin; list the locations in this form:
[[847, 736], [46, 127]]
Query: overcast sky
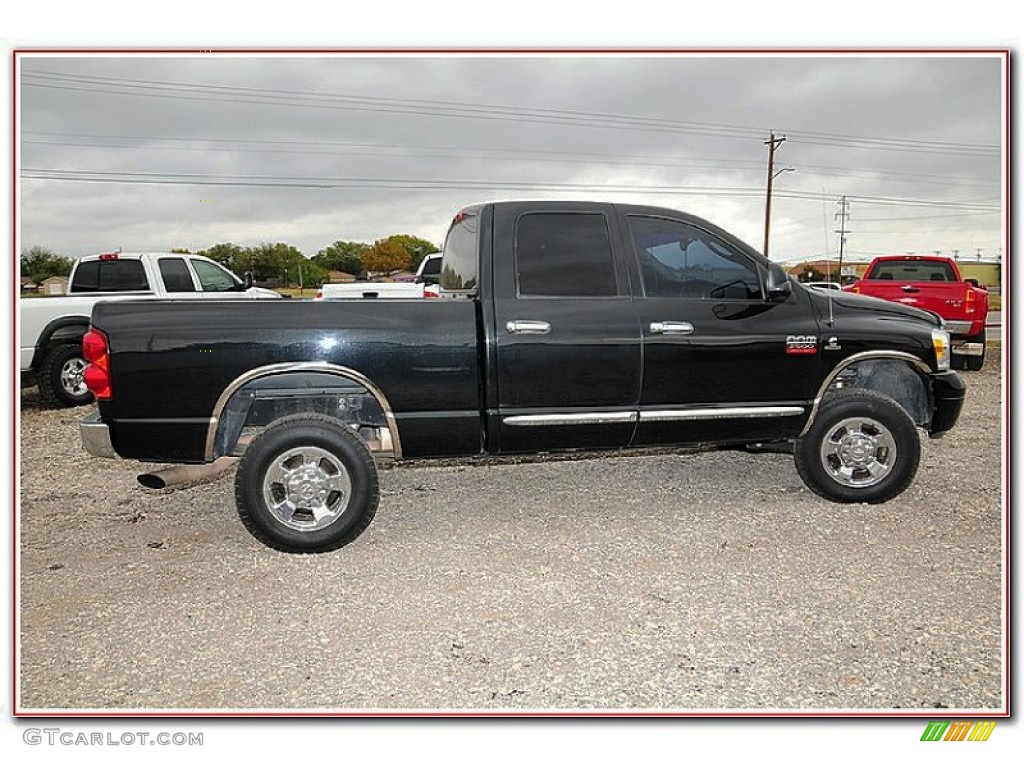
[[312, 149]]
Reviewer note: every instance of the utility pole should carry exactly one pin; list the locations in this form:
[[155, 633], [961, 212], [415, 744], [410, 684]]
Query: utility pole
[[842, 214], [956, 254], [773, 143]]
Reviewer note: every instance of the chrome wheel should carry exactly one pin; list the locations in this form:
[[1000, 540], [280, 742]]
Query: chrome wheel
[[307, 488], [72, 377], [858, 452]]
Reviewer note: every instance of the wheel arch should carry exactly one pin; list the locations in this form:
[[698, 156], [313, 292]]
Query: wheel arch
[[283, 389], [63, 330], [900, 375]]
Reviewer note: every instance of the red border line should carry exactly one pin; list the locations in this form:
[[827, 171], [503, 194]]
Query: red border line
[[836, 52]]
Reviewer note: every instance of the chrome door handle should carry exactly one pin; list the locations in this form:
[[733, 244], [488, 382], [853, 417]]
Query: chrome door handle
[[527, 326], [672, 327]]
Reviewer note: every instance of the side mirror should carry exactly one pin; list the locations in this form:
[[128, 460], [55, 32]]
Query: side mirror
[[972, 281], [247, 280], [779, 287]]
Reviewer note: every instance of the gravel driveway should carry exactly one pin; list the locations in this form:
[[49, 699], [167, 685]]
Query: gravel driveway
[[676, 582]]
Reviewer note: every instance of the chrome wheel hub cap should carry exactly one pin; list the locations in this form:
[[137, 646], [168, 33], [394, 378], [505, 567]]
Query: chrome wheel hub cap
[[858, 452], [72, 377], [307, 488]]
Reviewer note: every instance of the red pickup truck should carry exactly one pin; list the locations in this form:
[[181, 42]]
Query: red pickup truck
[[934, 283]]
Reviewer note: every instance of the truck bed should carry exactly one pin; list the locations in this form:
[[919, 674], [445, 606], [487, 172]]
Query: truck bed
[[422, 355]]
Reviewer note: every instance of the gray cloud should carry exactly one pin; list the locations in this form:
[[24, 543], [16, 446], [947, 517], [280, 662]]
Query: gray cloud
[[440, 132]]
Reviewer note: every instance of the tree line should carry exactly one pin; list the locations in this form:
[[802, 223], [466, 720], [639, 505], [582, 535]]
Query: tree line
[[278, 262]]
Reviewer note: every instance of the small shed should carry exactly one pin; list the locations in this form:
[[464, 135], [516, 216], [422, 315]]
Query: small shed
[[54, 286]]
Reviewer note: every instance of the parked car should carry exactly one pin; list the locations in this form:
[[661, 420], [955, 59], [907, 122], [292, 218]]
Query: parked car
[[424, 286], [52, 328], [934, 283], [561, 326]]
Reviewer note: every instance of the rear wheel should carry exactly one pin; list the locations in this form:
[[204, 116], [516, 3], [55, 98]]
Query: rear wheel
[[61, 377], [307, 484], [862, 447]]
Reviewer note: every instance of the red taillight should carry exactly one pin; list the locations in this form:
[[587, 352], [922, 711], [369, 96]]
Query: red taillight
[[969, 301], [431, 292], [97, 373], [320, 294], [108, 257]]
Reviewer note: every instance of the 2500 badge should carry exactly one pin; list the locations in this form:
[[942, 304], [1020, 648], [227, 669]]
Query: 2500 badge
[[801, 345]]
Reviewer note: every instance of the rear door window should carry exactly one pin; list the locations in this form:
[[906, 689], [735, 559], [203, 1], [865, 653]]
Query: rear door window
[[564, 254], [177, 278]]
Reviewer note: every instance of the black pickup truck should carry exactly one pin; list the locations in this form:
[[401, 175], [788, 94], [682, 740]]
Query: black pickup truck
[[561, 326]]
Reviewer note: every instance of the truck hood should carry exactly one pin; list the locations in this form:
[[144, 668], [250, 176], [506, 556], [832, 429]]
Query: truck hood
[[846, 303]]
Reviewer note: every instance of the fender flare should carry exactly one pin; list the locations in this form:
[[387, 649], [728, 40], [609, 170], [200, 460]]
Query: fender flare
[[300, 367], [917, 363], [63, 330]]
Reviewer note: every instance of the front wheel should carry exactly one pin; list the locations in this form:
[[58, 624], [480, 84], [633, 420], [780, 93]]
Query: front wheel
[[307, 484], [862, 447]]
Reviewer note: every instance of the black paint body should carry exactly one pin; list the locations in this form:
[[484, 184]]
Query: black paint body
[[452, 373]]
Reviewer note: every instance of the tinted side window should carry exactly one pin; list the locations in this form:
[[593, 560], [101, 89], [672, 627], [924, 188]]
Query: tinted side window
[[176, 276], [211, 277], [87, 278], [458, 271], [432, 268], [679, 260], [564, 254]]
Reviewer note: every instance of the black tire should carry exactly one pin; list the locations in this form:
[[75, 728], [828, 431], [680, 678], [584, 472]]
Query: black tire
[[60, 377], [976, 362], [321, 476], [862, 448]]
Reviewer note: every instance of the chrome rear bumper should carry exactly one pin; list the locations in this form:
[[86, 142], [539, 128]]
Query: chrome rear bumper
[[96, 437]]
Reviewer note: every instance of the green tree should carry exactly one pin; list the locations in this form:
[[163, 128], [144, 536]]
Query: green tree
[[342, 256], [39, 263], [271, 260], [385, 256], [417, 248], [226, 254], [180, 250]]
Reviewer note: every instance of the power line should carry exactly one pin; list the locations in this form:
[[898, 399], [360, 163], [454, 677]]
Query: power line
[[369, 150], [124, 177], [316, 99]]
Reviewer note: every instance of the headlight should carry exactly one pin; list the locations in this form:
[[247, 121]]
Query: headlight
[[940, 341]]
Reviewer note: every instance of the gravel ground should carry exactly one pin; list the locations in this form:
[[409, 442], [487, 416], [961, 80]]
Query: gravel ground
[[673, 582]]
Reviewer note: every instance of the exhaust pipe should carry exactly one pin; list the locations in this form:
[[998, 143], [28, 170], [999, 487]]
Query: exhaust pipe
[[194, 473]]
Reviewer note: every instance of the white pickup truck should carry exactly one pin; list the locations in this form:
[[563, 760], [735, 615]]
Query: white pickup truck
[[51, 329], [427, 277]]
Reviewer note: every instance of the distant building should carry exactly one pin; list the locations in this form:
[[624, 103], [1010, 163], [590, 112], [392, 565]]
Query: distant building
[[54, 286], [334, 276]]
